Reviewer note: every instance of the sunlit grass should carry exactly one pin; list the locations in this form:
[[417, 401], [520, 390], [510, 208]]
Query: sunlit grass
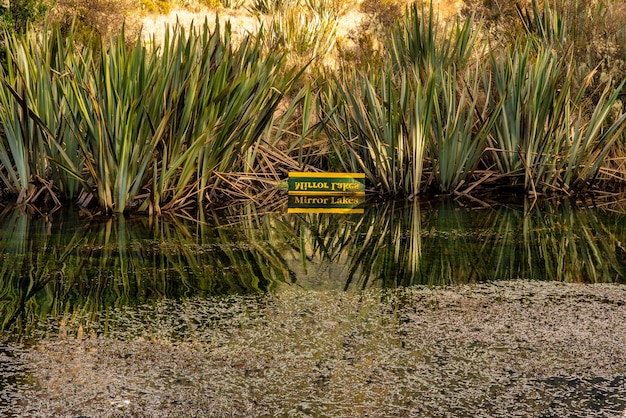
[[303, 32]]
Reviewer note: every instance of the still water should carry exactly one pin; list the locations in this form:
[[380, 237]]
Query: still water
[[408, 309], [69, 261]]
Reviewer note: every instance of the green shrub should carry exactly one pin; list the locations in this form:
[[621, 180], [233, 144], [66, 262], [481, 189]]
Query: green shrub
[[18, 15]]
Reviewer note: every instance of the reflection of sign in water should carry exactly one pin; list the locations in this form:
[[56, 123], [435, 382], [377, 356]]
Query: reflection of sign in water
[[325, 204], [326, 192], [326, 183]]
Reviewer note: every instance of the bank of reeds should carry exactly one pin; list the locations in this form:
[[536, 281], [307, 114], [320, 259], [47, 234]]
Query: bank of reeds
[[447, 115], [425, 117], [135, 127], [200, 118]]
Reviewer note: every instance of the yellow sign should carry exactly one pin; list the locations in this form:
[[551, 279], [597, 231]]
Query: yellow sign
[[325, 204], [309, 184]]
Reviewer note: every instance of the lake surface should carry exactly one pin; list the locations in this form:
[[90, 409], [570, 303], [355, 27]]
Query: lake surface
[[68, 260], [81, 286]]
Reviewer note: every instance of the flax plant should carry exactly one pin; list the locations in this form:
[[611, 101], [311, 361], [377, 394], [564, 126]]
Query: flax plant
[[382, 123], [23, 146], [547, 137], [593, 138], [37, 66], [15, 152], [461, 126], [222, 109], [544, 25], [182, 62], [232, 4], [419, 40], [390, 125], [116, 142], [267, 6], [256, 83], [154, 126], [532, 130], [337, 7], [414, 111], [295, 137]]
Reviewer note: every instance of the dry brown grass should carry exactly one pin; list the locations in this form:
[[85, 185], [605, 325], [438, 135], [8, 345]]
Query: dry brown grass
[[104, 18]]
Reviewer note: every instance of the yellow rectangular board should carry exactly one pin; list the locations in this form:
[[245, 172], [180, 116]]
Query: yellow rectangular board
[[326, 204], [307, 183]]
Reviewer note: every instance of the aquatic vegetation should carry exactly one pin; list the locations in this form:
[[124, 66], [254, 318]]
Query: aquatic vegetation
[[138, 127], [202, 118], [31, 111], [390, 123], [543, 134], [380, 126], [522, 119], [263, 312]]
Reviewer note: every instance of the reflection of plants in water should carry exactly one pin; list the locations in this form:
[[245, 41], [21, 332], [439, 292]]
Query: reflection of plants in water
[[30, 260], [51, 266], [402, 244], [251, 249], [417, 246], [550, 242], [572, 246], [381, 246], [388, 250], [561, 243]]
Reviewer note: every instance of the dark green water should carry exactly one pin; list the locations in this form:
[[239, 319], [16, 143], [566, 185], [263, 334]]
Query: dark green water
[[68, 262]]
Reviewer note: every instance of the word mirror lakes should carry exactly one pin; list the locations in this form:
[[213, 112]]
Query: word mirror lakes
[[326, 192]]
